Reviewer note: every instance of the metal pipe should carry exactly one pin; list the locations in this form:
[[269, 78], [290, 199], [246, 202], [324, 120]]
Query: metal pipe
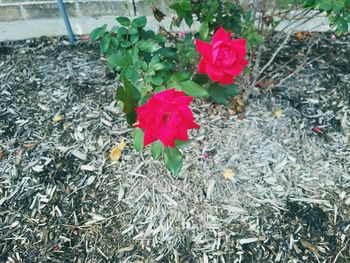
[[64, 15]]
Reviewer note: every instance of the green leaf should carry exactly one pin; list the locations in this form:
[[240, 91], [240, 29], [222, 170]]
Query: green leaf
[[139, 22], [183, 9], [114, 43], [125, 44], [131, 117], [307, 3], [120, 60], [157, 80], [165, 74], [104, 44], [220, 94], [168, 52], [144, 65], [97, 33], [158, 66], [338, 6], [134, 39], [179, 76], [134, 53], [156, 149], [204, 30], [185, 5], [213, 10], [132, 74], [122, 31], [189, 19], [138, 139], [159, 89], [188, 38], [143, 100], [193, 89], [148, 46], [160, 38], [132, 31], [342, 26], [180, 144], [129, 95], [258, 38], [116, 60], [173, 160], [200, 78], [144, 89], [325, 5], [149, 34], [124, 21], [175, 85], [248, 16]]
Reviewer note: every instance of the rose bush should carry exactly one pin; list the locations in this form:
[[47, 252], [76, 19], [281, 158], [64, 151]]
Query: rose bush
[[159, 74], [159, 82]]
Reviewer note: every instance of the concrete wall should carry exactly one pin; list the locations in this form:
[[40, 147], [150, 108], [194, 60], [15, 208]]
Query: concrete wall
[[39, 9], [21, 19]]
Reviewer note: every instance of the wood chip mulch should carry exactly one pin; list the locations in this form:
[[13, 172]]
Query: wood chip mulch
[[269, 185]]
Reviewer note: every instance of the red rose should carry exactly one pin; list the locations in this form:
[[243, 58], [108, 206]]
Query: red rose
[[224, 58], [166, 117]]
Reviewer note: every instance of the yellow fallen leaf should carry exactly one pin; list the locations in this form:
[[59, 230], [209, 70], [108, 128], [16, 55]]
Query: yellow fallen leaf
[[302, 35], [228, 174], [240, 100], [57, 118], [278, 113], [28, 145], [2, 153], [239, 105], [116, 151]]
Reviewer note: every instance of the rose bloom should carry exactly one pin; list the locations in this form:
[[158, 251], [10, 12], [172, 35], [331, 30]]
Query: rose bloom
[[85, 38], [166, 117], [182, 34], [224, 58]]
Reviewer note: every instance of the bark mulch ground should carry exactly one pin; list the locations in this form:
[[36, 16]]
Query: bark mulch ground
[[63, 200]]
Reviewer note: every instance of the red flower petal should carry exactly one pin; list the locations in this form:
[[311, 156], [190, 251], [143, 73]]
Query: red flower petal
[[148, 138], [221, 35], [182, 134], [184, 100], [202, 66], [193, 126], [240, 51], [241, 42], [203, 48], [166, 94], [227, 79], [235, 70], [173, 120], [214, 73], [167, 137]]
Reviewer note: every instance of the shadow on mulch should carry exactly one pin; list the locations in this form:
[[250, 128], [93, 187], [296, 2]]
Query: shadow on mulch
[[321, 90], [303, 232]]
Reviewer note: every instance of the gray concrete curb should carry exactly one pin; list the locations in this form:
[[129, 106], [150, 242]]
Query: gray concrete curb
[[24, 29]]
